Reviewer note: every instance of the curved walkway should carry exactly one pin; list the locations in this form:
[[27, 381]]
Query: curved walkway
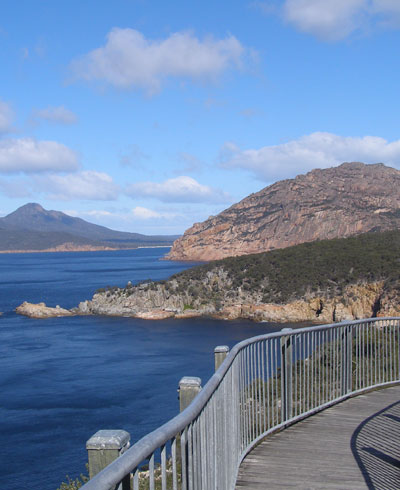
[[350, 446]]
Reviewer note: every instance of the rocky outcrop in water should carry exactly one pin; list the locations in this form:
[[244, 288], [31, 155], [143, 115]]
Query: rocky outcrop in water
[[40, 310], [323, 204]]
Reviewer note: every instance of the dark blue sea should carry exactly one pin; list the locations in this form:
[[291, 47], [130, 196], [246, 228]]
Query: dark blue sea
[[63, 379]]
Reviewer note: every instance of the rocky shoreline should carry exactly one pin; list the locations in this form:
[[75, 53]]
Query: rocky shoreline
[[358, 301], [152, 302]]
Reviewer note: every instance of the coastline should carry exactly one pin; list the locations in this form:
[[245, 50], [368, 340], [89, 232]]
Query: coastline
[[79, 249]]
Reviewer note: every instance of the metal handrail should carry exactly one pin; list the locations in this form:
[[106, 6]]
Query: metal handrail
[[265, 383]]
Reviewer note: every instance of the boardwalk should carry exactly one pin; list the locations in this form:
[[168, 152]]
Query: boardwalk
[[353, 445]]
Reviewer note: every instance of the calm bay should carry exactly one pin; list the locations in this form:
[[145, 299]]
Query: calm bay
[[63, 379]]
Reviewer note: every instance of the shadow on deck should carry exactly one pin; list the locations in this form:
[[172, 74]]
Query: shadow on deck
[[352, 445], [376, 448]]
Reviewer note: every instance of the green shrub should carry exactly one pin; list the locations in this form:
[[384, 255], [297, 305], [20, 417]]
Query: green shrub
[[74, 484]]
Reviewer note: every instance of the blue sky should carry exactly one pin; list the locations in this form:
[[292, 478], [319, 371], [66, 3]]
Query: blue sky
[[148, 116]]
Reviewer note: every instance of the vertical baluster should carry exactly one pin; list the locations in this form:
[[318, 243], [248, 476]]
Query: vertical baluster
[[163, 468], [268, 385], [184, 462], [330, 361], [190, 456], [241, 397], [264, 381], [304, 357], [136, 479], [274, 382], [309, 369], [294, 374], [194, 454], [319, 368], [174, 466], [261, 406], [253, 404], [357, 357], [312, 383], [151, 472], [369, 354], [202, 449], [248, 396]]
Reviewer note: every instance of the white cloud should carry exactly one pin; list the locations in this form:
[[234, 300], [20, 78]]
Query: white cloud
[[332, 20], [317, 150], [29, 155], [93, 213], [6, 117], [88, 185], [326, 19], [145, 213], [142, 213], [179, 189], [60, 115], [388, 11], [129, 60]]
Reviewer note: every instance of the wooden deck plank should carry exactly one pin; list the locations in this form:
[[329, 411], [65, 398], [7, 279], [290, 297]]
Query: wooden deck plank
[[353, 445]]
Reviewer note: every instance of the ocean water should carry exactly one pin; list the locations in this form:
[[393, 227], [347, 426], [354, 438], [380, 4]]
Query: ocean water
[[63, 379]]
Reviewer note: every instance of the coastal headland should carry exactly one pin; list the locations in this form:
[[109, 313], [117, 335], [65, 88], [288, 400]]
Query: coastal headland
[[323, 281]]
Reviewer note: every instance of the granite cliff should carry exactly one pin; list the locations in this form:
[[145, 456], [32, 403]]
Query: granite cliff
[[350, 199], [324, 281]]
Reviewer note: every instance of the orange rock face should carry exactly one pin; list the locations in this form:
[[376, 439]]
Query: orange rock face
[[323, 204]]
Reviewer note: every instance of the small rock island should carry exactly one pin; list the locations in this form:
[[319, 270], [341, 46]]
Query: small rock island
[[40, 310]]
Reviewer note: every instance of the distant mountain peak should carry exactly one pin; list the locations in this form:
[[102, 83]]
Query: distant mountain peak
[[32, 219], [31, 206]]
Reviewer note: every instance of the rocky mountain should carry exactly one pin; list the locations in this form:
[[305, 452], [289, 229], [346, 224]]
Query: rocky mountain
[[341, 201], [31, 227], [323, 281]]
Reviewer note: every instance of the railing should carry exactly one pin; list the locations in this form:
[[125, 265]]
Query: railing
[[265, 383]]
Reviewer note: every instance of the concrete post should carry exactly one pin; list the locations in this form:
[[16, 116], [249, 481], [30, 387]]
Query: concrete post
[[189, 386], [103, 448], [220, 352], [286, 374]]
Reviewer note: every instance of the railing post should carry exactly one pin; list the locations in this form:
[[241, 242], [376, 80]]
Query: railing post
[[286, 374], [346, 360], [103, 448], [220, 352], [189, 386]]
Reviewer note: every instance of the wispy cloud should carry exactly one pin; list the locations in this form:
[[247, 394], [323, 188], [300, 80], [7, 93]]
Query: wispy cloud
[[179, 189], [142, 213], [317, 150], [190, 162], [58, 115], [6, 117], [134, 157], [129, 60]]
